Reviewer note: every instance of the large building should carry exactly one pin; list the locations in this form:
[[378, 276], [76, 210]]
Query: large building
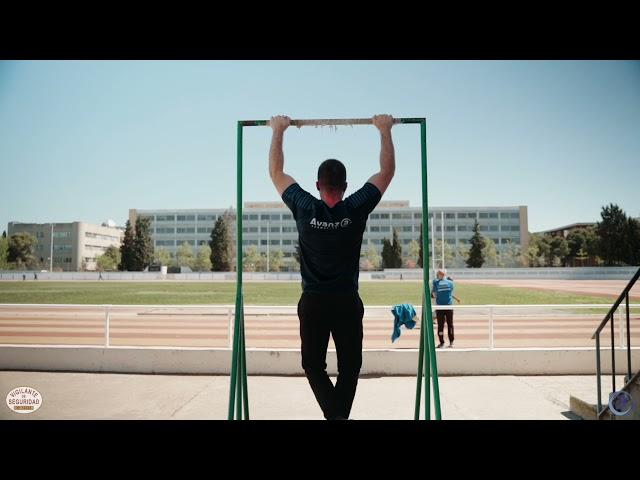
[[567, 229], [269, 226], [75, 245]]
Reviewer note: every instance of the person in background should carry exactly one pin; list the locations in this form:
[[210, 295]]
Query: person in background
[[442, 292]]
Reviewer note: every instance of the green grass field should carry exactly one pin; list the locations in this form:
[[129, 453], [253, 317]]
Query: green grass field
[[257, 293]]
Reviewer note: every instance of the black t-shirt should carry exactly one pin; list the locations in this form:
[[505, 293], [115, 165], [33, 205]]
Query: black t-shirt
[[330, 238]]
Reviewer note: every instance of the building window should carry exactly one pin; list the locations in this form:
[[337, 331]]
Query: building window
[[204, 230], [395, 216], [493, 214], [263, 242], [450, 228], [493, 228], [484, 215], [462, 215], [186, 230], [462, 228], [286, 242], [274, 242], [374, 228], [407, 228], [384, 216], [165, 218], [264, 217], [451, 241], [275, 229], [374, 216], [385, 229], [286, 216], [449, 215], [288, 229], [263, 229]]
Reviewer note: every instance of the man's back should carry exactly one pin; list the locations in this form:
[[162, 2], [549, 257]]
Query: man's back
[[330, 238]]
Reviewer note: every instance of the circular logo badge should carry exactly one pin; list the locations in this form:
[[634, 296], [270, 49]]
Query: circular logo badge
[[345, 222], [620, 403], [24, 400]]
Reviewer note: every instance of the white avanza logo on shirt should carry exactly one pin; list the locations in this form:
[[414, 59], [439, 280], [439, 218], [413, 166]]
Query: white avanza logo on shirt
[[345, 222]]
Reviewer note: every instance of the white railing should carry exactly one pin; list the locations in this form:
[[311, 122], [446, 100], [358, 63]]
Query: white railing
[[17, 322], [557, 273]]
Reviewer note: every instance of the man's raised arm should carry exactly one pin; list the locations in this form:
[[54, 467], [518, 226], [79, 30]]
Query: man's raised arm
[[382, 179], [276, 156]]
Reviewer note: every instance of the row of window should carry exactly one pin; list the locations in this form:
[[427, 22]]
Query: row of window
[[373, 216], [181, 218], [101, 237], [449, 215], [271, 242]]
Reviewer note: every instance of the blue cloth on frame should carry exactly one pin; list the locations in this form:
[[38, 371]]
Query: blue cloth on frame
[[403, 314]]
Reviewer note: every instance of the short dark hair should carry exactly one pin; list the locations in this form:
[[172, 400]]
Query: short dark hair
[[332, 174]]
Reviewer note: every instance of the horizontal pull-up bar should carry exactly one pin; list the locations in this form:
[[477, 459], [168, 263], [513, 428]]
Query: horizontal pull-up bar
[[327, 122]]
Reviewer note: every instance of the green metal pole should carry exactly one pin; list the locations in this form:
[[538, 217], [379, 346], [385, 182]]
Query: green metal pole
[[425, 272], [427, 375], [237, 367], [420, 362], [243, 352]]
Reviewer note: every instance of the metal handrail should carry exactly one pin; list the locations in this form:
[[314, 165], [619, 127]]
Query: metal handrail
[[617, 303], [596, 335]]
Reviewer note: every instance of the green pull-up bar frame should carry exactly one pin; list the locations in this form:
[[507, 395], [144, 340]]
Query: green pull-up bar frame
[[427, 365]]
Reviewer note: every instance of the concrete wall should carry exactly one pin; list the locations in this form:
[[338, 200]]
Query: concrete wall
[[551, 361]]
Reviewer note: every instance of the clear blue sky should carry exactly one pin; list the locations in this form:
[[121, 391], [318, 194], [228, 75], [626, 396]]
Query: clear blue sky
[[84, 140]]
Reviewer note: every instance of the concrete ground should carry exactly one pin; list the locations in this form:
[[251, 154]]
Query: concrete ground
[[67, 396]]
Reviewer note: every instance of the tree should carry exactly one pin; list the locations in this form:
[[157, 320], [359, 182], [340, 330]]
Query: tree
[[559, 251], [21, 248], [371, 259], [221, 245], [275, 260], [184, 256], [612, 230], [511, 256], [109, 260], [476, 258], [490, 254], [391, 252], [203, 259], [387, 254], [449, 256], [143, 244], [127, 262], [632, 252], [414, 254], [252, 260], [538, 253], [4, 251], [162, 256], [397, 250], [460, 254]]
